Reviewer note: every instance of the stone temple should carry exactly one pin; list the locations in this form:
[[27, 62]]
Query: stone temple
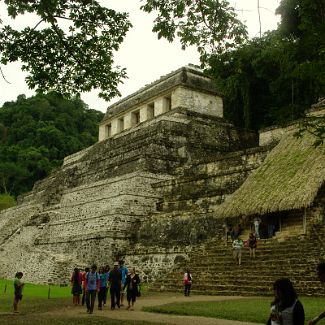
[[157, 188]]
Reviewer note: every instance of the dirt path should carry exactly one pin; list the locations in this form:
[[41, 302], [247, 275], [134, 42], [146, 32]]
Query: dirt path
[[137, 314]]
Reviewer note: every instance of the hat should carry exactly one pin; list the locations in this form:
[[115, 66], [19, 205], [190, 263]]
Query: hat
[[115, 263]]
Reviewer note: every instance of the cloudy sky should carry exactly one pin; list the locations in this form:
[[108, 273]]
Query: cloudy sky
[[144, 56]]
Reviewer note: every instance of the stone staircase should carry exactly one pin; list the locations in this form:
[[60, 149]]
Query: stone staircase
[[215, 272], [204, 184]]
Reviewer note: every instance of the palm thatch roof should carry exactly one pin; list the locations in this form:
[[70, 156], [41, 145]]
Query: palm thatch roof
[[289, 178]]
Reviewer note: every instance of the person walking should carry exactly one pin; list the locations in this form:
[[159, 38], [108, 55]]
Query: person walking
[[252, 244], [18, 290], [256, 223], [76, 290], [106, 270], [187, 281], [237, 246], [103, 280], [132, 288], [286, 309], [92, 287], [115, 280], [124, 273], [84, 285]]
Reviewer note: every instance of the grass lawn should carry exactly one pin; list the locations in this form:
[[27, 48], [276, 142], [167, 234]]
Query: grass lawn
[[254, 310], [35, 303]]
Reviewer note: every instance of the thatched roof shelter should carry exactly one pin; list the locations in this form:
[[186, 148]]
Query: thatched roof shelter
[[289, 178]]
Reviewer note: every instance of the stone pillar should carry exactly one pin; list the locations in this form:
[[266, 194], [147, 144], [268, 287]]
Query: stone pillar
[[115, 127], [162, 105], [127, 120], [143, 114], [101, 132]]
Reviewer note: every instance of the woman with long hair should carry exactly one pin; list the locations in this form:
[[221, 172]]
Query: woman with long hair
[[132, 288], [76, 282], [286, 309]]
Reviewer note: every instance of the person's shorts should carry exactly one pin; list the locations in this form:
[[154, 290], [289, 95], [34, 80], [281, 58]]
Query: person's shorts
[[18, 297]]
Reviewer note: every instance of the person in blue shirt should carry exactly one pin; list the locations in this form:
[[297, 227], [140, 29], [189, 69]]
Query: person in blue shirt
[[103, 280], [106, 270], [92, 287], [124, 273]]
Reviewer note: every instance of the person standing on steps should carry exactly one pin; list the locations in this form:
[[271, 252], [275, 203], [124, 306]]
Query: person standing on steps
[[18, 294], [237, 246], [256, 223], [187, 281], [252, 243], [321, 276], [286, 309]]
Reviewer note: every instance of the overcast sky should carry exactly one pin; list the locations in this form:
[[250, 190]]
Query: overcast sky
[[144, 56]]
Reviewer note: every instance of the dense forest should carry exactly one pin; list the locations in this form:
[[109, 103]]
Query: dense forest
[[274, 78], [37, 133]]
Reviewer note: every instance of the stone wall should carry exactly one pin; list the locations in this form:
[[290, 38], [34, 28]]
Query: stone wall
[[104, 202]]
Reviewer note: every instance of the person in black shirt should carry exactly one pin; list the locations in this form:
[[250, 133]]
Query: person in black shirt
[[132, 287], [286, 308], [115, 280]]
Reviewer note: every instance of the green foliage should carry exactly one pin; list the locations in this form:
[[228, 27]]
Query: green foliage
[[70, 46], [212, 26], [77, 60], [315, 126], [6, 201], [40, 132], [273, 79]]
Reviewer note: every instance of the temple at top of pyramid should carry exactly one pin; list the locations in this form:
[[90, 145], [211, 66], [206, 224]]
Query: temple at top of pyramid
[[186, 87]]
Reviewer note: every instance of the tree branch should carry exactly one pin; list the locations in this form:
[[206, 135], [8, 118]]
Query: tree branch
[[38, 24], [3, 76]]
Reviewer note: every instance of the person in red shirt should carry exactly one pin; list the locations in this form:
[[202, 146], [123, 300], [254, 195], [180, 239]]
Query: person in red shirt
[[76, 282]]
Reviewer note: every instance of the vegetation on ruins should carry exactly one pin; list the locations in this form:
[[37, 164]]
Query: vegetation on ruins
[[37, 133], [294, 162]]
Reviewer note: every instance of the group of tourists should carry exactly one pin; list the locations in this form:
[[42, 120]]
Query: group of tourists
[[286, 309], [91, 283], [238, 244]]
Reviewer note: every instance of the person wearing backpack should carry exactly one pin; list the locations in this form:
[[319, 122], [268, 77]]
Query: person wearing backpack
[[187, 281], [92, 287]]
